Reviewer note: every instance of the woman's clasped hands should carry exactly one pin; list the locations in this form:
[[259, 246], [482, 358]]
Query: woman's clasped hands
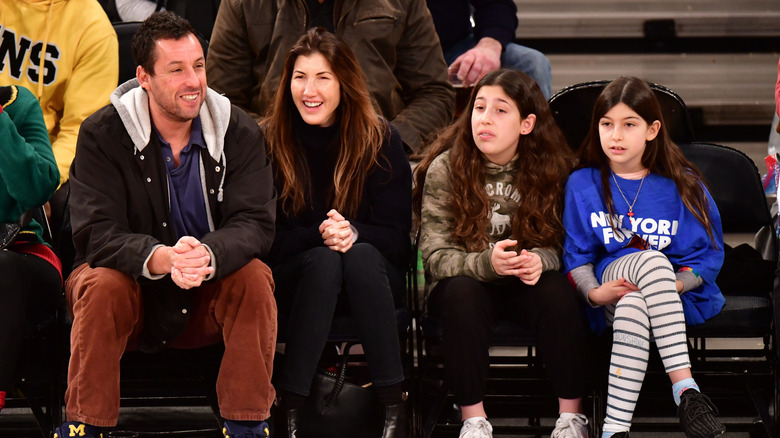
[[337, 233]]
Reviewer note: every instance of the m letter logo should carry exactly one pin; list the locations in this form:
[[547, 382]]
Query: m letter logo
[[76, 430]]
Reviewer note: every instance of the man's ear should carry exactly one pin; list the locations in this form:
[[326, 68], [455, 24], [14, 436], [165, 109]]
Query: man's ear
[[143, 77]]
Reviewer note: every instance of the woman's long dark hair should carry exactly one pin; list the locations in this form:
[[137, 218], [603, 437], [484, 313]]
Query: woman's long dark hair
[[360, 130], [661, 155], [542, 168]]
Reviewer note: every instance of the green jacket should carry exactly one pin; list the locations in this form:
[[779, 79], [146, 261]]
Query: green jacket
[[394, 41], [442, 256], [28, 171]]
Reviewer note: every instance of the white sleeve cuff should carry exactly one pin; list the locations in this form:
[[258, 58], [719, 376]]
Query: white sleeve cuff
[[213, 263], [145, 271]]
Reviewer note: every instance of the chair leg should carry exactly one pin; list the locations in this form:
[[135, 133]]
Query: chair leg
[[435, 411], [762, 408]]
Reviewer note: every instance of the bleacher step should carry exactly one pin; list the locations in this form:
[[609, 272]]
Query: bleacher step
[[728, 89], [626, 18]]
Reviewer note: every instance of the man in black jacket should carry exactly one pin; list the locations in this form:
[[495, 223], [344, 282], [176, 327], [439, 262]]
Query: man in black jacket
[[172, 206]]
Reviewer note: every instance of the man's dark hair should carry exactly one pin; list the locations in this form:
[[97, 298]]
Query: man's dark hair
[[162, 25]]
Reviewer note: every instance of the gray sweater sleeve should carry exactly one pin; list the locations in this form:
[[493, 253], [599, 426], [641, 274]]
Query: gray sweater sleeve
[[585, 279], [551, 258], [689, 279]]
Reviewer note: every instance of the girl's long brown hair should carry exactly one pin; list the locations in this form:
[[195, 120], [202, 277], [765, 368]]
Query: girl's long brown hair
[[542, 168], [360, 131], [661, 155]]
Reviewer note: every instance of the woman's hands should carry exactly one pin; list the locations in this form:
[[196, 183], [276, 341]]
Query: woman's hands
[[611, 292], [336, 232], [526, 266]]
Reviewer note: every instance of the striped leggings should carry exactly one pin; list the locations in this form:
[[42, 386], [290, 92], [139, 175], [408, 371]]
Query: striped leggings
[[655, 308]]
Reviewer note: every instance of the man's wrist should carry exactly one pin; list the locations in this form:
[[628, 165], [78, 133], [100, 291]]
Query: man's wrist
[[491, 44], [160, 261]]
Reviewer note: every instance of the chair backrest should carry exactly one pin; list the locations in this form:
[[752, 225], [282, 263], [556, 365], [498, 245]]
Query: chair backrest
[[124, 34], [734, 182], [573, 105]]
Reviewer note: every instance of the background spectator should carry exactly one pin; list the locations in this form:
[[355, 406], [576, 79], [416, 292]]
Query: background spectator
[[472, 52], [774, 132], [76, 75], [30, 286], [200, 13]]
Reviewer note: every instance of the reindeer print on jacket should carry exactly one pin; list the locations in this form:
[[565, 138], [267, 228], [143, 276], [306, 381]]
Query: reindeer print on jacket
[[442, 255]]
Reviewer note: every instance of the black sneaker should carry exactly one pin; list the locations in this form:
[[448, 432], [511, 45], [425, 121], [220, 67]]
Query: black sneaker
[[697, 415], [76, 429]]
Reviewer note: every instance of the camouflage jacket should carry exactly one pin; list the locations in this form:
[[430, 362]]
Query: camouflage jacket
[[442, 256]]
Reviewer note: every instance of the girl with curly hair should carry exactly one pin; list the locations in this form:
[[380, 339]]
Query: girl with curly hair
[[490, 197]]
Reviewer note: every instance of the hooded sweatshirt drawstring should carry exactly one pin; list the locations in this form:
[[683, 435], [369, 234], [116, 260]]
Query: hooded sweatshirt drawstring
[[222, 180], [43, 52]]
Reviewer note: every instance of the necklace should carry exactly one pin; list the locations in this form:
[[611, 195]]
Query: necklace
[[630, 205]]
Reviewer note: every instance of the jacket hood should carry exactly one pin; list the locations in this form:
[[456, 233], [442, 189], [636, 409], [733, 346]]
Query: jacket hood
[[132, 104]]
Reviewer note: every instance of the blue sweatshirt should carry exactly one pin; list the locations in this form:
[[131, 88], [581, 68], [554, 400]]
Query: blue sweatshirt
[[660, 219]]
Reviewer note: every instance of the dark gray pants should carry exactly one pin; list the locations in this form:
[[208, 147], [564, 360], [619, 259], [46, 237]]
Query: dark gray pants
[[308, 289], [468, 310], [30, 291]]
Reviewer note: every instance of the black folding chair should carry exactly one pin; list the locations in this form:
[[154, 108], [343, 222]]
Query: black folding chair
[[750, 310], [573, 105]]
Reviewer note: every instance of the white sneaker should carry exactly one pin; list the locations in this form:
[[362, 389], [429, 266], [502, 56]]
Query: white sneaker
[[570, 426], [476, 427]]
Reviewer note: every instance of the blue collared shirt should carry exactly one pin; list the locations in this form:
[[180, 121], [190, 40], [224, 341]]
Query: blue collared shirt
[[188, 207]]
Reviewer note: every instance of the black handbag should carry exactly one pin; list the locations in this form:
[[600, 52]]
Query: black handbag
[[9, 231], [339, 408]]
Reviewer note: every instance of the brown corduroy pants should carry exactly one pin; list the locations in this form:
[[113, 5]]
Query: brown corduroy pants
[[107, 309]]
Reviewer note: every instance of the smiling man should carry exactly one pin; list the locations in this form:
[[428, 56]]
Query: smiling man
[[172, 206]]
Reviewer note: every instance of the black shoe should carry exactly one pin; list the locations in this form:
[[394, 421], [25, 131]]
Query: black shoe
[[620, 435], [396, 421], [285, 418], [697, 415], [291, 422]]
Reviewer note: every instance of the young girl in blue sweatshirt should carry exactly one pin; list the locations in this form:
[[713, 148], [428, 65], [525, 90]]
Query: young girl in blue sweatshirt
[[643, 246]]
